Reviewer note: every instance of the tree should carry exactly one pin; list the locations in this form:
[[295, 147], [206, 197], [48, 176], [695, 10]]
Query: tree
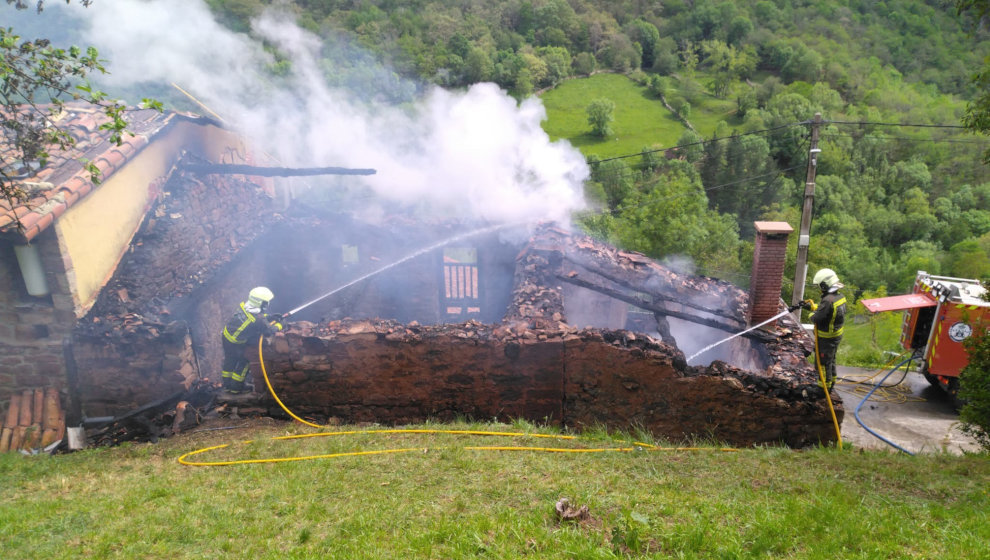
[[36, 78], [739, 28], [478, 66], [671, 218], [978, 109], [665, 58], [558, 63], [657, 85], [600, 116], [647, 35], [616, 181], [691, 146], [584, 63], [967, 259]]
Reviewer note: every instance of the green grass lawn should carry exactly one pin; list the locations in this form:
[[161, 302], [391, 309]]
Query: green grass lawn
[[641, 120], [871, 340], [441, 500], [710, 110]]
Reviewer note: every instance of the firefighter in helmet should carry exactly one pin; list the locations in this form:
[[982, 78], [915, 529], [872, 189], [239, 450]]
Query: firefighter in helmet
[[247, 324], [828, 317]]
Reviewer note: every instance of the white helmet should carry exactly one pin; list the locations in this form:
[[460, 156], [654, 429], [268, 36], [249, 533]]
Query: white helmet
[[259, 297], [827, 280]]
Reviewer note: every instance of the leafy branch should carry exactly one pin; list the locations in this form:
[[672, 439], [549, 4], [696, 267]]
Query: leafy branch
[[36, 79]]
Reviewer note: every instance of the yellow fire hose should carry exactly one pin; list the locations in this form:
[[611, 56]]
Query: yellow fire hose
[[632, 446], [828, 392]]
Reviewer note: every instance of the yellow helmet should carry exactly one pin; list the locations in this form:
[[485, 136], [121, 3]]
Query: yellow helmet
[[827, 279], [259, 297]]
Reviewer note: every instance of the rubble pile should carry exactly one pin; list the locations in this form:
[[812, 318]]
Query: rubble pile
[[197, 226], [180, 411]]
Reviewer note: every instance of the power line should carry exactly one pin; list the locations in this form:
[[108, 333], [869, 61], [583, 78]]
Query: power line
[[800, 123], [704, 142], [871, 123], [777, 172], [909, 139], [738, 181]]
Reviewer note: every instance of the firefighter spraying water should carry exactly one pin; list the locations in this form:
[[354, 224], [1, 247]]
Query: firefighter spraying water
[[828, 318], [247, 324]]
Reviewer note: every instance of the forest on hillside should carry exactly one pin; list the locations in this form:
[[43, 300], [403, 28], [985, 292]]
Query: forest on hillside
[[900, 184]]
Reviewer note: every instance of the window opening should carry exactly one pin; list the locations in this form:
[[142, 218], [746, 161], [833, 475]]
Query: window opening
[[461, 286]]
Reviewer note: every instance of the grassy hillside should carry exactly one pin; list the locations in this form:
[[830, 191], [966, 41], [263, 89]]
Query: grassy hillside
[[440, 500], [640, 119]]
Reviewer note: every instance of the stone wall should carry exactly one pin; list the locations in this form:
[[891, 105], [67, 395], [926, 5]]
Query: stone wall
[[32, 328], [364, 371], [133, 366]]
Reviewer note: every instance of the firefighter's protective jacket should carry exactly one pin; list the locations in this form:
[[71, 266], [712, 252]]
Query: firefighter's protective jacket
[[244, 326], [830, 315]]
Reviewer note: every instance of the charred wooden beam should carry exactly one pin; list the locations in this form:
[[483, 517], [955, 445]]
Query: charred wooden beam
[[237, 169], [603, 278], [724, 324], [637, 272], [137, 423]]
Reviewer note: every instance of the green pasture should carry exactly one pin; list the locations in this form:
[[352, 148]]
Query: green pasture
[[641, 120]]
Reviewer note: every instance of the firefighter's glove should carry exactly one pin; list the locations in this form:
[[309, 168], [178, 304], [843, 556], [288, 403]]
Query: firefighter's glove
[[276, 325], [809, 305]]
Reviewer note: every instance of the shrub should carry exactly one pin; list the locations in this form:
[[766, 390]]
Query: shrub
[[974, 384]]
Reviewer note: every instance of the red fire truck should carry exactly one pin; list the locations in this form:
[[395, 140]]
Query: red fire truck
[[940, 313]]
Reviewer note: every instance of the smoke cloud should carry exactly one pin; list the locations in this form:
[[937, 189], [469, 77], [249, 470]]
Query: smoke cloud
[[474, 154]]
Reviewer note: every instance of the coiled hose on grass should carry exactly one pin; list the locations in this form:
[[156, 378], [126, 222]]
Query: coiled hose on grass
[[628, 447]]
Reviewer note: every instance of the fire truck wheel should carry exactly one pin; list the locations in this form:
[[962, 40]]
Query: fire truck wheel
[[931, 379], [953, 390]]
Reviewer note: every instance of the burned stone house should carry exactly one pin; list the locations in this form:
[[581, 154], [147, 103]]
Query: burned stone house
[[397, 321]]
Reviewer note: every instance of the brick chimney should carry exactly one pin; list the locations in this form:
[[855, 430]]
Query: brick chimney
[[769, 256]]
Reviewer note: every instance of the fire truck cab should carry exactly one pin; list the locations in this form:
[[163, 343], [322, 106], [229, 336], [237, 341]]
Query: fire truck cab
[[939, 314]]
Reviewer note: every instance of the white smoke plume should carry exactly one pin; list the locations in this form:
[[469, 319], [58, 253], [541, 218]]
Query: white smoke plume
[[474, 153]]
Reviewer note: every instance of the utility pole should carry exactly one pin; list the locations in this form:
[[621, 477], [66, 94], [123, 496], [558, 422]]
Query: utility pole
[[804, 236]]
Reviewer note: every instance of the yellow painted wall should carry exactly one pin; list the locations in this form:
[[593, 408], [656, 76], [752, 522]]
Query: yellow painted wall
[[97, 230]]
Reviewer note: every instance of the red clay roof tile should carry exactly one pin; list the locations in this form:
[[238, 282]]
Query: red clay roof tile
[[70, 182]]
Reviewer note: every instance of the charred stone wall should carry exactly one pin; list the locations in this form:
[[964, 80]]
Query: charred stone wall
[[390, 372], [155, 326], [393, 373]]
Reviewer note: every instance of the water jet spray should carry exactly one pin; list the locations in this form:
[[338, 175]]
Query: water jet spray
[[398, 262], [710, 346]]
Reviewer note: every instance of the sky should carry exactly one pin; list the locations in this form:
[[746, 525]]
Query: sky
[[475, 153]]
